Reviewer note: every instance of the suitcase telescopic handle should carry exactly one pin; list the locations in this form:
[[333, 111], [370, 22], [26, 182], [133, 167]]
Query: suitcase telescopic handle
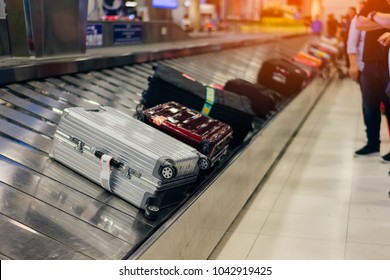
[[114, 163]]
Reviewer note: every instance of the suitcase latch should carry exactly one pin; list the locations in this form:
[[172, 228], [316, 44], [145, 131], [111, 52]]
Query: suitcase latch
[[80, 144], [131, 172]]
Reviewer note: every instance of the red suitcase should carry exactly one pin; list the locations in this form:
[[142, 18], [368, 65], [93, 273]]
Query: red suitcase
[[209, 136]]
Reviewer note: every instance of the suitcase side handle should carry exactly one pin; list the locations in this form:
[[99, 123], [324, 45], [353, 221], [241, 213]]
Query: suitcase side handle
[[114, 163]]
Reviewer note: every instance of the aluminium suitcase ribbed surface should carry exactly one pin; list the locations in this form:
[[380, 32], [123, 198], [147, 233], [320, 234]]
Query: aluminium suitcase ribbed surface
[[143, 150]]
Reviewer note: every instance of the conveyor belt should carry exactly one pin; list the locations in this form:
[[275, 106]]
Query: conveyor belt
[[51, 212]]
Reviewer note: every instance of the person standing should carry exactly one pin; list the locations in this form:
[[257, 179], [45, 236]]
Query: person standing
[[316, 26], [355, 46], [383, 20], [186, 24], [332, 26], [345, 32], [374, 77]]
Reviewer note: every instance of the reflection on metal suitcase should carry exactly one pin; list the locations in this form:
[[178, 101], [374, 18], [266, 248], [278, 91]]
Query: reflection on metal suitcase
[[209, 136], [127, 157]]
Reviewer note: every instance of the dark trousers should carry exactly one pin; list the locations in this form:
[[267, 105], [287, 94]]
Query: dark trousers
[[374, 80]]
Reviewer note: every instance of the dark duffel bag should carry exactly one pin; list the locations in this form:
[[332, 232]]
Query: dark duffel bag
[[168, 84], [264, 100], [282, 76]]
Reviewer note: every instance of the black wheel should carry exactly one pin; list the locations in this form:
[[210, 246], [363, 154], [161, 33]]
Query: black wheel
[[139, 108], [205, 147], [204, 163], [151, 212], [141, 117], [168, 172]]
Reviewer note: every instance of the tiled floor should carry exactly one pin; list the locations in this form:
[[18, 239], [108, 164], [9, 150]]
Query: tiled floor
[[319, 202]]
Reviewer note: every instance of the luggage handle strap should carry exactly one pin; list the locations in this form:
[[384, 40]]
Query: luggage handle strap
[[106, 162], [105, 172], [210, 99], [112, 162]]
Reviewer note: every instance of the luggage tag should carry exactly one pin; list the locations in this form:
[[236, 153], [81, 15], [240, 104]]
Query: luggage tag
[[106, 163], [210, 98], [280, 75], [105, 172]]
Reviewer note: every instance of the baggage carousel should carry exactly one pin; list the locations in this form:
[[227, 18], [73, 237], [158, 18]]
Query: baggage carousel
[[48, 211]]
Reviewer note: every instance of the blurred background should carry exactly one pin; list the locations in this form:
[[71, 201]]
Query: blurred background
[[243, 15]]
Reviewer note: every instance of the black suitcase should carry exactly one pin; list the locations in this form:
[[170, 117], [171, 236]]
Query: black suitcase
[[264, 100], [168, 84], [310, 71], [281, 76]]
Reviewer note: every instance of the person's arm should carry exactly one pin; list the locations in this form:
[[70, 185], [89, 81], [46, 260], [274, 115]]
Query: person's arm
[[353, 37], [365, 24], [352, 50], [382, 19], [353, 69], [384, 39]]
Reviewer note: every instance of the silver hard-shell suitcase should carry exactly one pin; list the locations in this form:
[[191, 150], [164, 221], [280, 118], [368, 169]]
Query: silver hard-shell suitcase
[[129, 158]]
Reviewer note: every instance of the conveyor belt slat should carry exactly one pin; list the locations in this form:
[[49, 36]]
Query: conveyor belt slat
[[36, 109], [40, 98], [59, 226], [71, 99], [29, 137], [28, 121], [78, 92], [22, 243]]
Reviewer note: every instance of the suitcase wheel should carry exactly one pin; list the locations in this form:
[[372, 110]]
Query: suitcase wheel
[[204, 163], [141, 117], [151, 212], [168, 172]]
